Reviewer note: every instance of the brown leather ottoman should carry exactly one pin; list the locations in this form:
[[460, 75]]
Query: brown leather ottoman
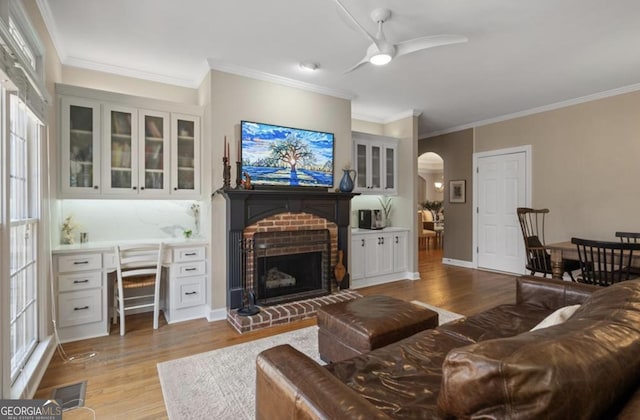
[[354, 327]]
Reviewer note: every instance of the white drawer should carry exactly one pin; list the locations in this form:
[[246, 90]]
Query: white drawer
[[79, 281], [190, 269], [190, 292], [195, 253], [79, 262], [80, 307]]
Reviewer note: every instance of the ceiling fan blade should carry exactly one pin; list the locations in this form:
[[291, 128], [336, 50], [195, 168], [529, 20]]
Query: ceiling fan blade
[[417, 44], [364, 31], [364, 60]]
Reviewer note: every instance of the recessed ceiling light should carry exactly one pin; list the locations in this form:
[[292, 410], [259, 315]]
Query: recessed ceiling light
[[309, 66]]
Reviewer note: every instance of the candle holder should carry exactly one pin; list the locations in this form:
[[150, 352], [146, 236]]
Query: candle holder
[[239, 176], [226, 174]]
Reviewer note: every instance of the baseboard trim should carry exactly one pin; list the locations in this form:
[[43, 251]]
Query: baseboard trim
[[458, 263], [217, 314], [412, 276]]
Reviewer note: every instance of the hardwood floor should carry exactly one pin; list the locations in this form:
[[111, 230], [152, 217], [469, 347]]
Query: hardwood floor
[[122, 380]]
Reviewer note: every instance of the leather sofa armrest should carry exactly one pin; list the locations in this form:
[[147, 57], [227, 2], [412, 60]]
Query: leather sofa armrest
[[551, 293], [291, 385]]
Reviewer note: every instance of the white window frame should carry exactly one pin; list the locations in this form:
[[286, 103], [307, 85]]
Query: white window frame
[[25, 218], [27, 40]]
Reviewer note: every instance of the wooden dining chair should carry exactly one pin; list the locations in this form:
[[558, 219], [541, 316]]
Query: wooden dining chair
[[424, 235], [138, 267], [538, 256], [603, 263], [630, 237]]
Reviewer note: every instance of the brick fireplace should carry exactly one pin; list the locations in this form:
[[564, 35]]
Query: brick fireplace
[[250, 212]]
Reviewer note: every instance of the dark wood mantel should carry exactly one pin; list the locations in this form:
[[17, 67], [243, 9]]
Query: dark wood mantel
[[246, 207]]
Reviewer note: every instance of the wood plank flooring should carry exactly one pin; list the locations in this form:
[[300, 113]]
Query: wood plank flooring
[[122, 377]]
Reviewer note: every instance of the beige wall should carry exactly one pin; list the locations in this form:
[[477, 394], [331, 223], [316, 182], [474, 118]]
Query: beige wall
[[456, 149], [235, 98], [367, 127], [128, 85], [585, 164]]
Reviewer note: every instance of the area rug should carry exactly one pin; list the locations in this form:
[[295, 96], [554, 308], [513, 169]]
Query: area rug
[[220, 384]]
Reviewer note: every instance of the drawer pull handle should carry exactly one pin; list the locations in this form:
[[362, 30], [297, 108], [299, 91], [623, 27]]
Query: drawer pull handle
[[190, 269], [83, 308], [81, 281], [190, 293], [190, 254], [81, 262]]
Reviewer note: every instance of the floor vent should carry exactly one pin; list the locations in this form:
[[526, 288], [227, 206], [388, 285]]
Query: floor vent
[[70, 396]]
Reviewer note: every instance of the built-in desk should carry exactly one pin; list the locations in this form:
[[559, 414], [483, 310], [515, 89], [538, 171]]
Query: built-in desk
[[83, 291]]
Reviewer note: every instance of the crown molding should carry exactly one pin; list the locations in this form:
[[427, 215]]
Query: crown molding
[[50, 23], [540, 109], [402, 115], [386, 120], [183, 81], [272, 78]]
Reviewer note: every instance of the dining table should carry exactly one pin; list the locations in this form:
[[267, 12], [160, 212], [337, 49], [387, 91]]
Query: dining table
[[567, 251]]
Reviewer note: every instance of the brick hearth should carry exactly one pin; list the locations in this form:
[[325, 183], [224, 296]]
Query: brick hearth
[[286, 312]]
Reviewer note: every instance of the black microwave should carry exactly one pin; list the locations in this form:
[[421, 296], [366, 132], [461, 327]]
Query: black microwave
[[370, 219]]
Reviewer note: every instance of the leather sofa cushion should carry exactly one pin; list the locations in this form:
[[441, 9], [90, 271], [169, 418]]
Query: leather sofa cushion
[[577, 369]]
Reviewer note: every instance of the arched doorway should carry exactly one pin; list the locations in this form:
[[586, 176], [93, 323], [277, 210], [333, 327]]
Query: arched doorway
[[430, 181], [430, 177]]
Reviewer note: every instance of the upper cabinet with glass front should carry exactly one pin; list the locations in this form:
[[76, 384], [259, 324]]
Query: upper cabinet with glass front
[[124, 150], [185, 143], [80, 147], [375, 160]]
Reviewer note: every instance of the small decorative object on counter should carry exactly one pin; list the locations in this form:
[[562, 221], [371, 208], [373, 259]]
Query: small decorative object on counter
[[84, 237], [247, 181], [187, 233], [340, 271], [68, 228], [226, 168], [387, 208], [346, 184], [195, 211]]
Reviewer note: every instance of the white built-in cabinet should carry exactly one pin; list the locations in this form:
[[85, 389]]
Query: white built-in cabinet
[[84, 286], [378, 256], [375, 160], [127, 149]]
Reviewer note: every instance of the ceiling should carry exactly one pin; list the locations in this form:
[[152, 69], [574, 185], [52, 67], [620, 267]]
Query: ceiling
[[521, 55]]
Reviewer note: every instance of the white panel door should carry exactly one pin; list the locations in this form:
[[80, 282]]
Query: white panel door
[[501, 189]]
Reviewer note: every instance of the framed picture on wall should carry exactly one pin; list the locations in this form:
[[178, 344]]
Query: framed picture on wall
[[457, 191]]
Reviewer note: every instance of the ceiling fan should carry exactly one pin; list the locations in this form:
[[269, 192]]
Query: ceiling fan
[[381, 51]]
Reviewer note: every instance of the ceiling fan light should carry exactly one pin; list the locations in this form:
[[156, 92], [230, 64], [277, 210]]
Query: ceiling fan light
[[380, 59]]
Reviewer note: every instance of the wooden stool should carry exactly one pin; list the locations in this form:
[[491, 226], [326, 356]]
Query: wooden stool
[[351, 328]]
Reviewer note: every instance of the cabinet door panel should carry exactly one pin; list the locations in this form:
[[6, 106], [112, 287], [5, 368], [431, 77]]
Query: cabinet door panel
[[185, 161], [120, 143], [385, 254], [80, 142], [361, 166], [376, 167], [154, 153], [357, 257]]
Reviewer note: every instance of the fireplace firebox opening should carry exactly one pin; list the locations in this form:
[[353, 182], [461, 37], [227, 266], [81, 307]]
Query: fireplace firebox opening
[[290, 265]]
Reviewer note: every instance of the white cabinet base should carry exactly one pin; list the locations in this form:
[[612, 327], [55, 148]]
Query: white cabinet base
[[378, 256]]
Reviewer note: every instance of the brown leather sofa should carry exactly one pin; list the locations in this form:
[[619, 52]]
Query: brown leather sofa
[[488, 365]]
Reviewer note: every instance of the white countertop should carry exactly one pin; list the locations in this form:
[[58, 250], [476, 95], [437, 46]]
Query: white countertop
[[356, 231], [101, 246]]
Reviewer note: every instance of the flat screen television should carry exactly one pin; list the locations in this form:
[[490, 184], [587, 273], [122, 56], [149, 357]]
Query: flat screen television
[[277, 156]]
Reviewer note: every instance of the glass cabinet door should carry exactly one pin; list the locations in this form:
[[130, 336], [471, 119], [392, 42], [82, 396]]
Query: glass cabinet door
[[389, 171], [376, 167], [186, 156], [361, 165], [80, 129], [154, 152], [120, 141]]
